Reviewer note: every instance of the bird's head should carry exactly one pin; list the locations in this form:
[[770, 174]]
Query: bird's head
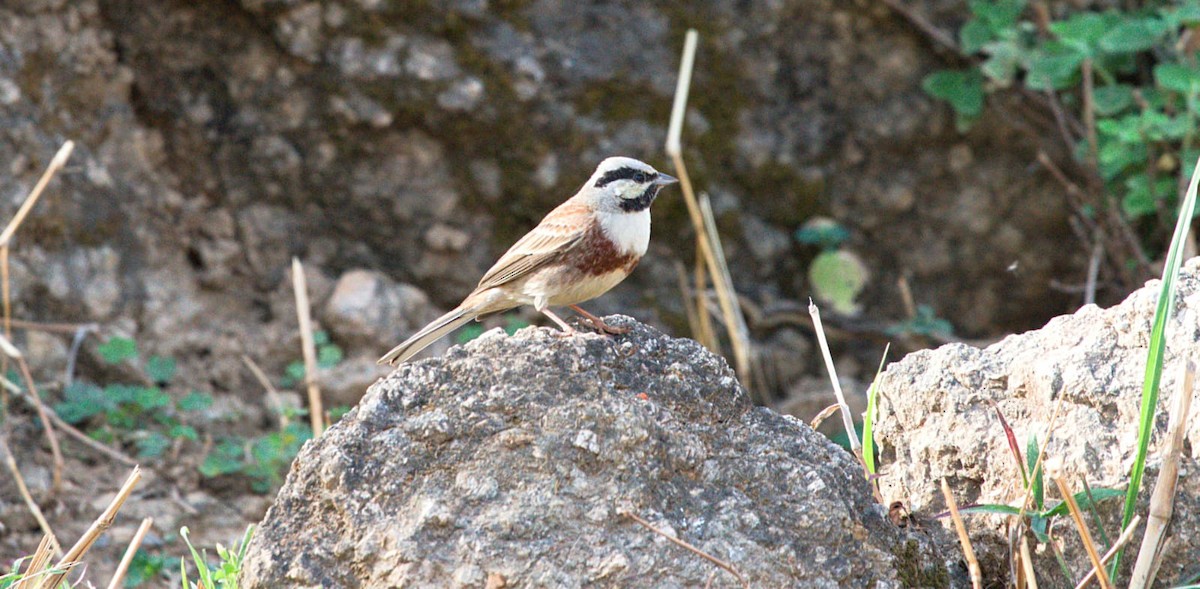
[[626, 184]]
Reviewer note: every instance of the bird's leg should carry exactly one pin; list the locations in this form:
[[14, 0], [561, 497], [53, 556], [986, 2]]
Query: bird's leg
[[599, 323], [567, 329]]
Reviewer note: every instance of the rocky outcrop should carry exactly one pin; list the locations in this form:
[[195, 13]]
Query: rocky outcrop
[[938, 419], [520, 462]]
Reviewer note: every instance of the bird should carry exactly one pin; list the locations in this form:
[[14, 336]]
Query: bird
[[580, 250]]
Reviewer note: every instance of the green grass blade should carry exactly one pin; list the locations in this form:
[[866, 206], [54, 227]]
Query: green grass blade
[[1039, 488], [1154, 358], [868, 437]]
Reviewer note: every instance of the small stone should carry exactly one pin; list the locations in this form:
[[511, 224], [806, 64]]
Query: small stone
[[463, 95]]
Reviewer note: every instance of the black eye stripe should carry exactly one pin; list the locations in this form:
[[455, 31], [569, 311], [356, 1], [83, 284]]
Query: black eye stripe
[[625, 173]]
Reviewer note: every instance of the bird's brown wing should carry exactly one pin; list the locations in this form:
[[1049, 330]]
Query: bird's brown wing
[[561, 230]]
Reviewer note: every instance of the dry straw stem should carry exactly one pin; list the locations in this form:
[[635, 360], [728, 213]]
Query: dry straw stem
[[37, 563], [126, 560], [847, 418], [968, 550], [708, 242], [676, 541], [1163, 498], [56, 164], [1084, 534], [823, 415], [1016, 530], [1122, 540], [11, 351], [1029, 578], [102, 523], [272, 394], [11, 463], [316, 411]]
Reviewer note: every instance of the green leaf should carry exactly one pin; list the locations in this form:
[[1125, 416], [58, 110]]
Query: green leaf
[[1084, 502], [991, 508], [295, 371], [1177, 77], [1032, 451], [1134, 35], [837, 277], [1082, 27], [868, 436], [513, 323], [118, 349], [160, 370], [997, 14], [1143, 198], [468, 333], [194, 401], [81, 401], [963, 89], [328, 356], [184, 432], [1054, 66], [1111, 100], [1004, 58], [152, 445], [320, 338], [151, 398], [974, 35], [227, 457], [823, 232]]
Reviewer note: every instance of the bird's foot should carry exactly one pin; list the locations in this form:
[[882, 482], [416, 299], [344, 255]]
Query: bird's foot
[[599, 323]]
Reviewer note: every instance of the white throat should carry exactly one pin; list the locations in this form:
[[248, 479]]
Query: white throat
[[629, 231]]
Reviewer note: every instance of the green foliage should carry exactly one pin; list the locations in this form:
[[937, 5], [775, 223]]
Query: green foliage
[[329, 355], [826, 235], [926, 323], [837, 277], [140, 415], [868, 428], [262, 459], [147, 567], [471, 331], [1146, 93], [225, 574]]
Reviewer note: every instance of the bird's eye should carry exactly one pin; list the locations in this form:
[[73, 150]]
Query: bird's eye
[[639, 177]]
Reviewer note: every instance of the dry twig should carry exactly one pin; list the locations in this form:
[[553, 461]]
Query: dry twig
[[823, 415], [316, 410], [102, 523], [1163, 497], [968, 550], [676, 541], [37, 563], [1084, 534], [1122, 540], [11, 463], [272, 394], [11, 351], [1029, 577], [847, 417], [126, 560]]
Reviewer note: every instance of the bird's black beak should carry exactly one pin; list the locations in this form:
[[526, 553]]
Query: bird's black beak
[[664, 179]]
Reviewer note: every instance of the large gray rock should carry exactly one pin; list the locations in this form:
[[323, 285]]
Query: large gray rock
[[937, 420], [514, 460]]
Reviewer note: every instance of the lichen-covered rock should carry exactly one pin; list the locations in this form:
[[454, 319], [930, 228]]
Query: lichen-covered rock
[[937, 419], [519, 459]]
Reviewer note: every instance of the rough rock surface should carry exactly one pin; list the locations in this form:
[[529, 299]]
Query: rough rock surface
[[937, 420], [515, 459]]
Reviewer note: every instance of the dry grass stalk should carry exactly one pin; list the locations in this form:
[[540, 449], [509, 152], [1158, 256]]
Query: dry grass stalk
[[676, 541], [11, 351], [823, 415], [36, 567], [1017, 529], [1122, 540], [1084, 534], [1163, 497], [1029, 577], [316, 410], [707, 240], [735, 322], [272, 394], [126, 560], [102, 523], [56, 164], [847, 417], [11, 463], [968, 551]]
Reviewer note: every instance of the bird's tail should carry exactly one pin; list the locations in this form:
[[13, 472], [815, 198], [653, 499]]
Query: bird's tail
[[431, 333]]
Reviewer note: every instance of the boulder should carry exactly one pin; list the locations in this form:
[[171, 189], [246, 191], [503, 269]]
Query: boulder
[[938, 419], [527, 461]]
